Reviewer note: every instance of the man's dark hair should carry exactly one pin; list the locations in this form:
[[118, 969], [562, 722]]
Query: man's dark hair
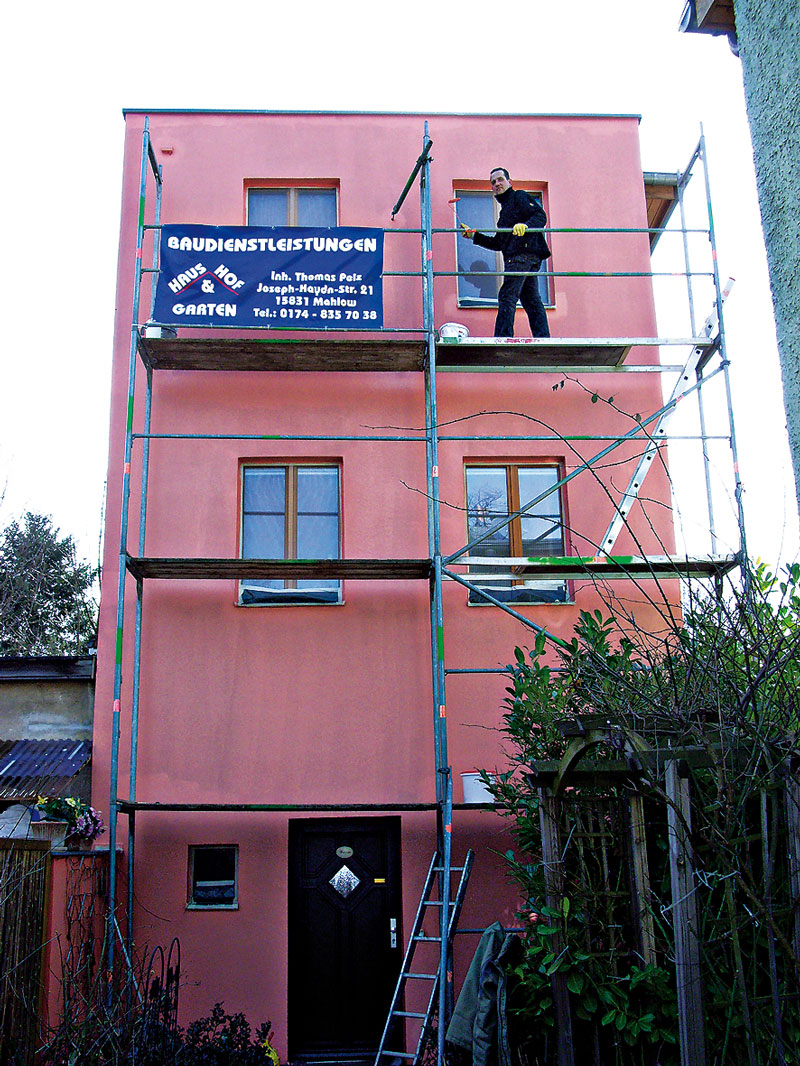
[[508, 176]]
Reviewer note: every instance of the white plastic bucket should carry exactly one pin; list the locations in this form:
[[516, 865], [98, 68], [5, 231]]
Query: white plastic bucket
[[159, 332], [453, 331], [475, 791]]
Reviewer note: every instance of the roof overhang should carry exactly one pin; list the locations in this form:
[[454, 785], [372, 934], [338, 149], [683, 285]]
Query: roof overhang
[[661, 196], [709, 16], [47, 667]]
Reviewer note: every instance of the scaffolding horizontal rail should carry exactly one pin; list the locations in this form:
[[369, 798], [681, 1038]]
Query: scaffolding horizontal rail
[[132, 806]]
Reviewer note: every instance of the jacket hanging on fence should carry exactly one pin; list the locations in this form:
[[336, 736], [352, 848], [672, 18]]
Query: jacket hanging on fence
[[479, 1023]]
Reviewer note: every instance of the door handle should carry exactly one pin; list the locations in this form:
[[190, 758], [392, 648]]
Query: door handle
[[392, 932]]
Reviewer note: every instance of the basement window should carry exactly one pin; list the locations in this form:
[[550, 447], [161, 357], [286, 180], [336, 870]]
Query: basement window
[[213, 876]]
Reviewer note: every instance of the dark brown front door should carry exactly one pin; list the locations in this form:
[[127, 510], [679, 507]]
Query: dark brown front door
[[345, 944]]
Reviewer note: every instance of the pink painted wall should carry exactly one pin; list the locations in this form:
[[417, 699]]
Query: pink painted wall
[[333, 703]]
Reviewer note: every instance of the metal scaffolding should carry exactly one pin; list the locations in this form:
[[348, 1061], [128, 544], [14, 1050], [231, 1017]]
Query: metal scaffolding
[[419, 351]]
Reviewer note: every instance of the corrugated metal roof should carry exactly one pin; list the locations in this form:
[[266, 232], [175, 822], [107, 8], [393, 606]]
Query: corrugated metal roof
[[29, 768]]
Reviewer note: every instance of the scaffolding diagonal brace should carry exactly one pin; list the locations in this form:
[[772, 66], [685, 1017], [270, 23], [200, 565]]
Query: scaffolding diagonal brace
[[686, 380]]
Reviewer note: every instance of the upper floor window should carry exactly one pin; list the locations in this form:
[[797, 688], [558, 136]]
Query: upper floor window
[[495, 491], [291, 207], [290, 511], [479, 211]]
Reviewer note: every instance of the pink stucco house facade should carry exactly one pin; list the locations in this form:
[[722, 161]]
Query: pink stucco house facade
[[310, 699]]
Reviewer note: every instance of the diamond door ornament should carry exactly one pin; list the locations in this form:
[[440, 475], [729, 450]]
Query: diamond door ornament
[[344, 881]]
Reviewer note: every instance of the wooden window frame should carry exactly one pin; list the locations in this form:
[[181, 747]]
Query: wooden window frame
[[512, 468], [291, 188], [291, 467]]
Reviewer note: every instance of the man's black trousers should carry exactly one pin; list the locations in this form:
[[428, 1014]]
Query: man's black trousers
[[526, 290]]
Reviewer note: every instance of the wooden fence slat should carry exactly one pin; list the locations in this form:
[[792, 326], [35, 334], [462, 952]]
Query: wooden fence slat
[[554, 888], [24, 872], [691, 1023]]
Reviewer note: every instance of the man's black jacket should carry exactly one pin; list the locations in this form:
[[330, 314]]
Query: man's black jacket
[[516, 205]]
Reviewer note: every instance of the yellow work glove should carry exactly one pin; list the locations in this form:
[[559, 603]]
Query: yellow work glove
[[520, 229], [467, 232]]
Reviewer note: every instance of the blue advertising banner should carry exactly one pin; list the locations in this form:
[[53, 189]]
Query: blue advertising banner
[[256, 276]]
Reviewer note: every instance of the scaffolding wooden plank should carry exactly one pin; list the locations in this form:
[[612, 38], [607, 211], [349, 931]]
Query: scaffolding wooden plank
[[386, 352], [383, 353], [233, 569], [613, 566], [475, 352]]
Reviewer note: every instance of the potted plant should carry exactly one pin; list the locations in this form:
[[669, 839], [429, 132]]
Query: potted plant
[[67, 820]]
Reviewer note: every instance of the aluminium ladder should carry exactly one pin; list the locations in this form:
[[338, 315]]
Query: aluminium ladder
[[418, 937]]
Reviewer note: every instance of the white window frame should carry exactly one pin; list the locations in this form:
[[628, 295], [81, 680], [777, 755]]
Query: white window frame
[[200, 905]]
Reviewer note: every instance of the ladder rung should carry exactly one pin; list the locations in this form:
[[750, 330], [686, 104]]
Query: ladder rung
[[429, 939], [399, 1054], [423, 976], [453, 869], [407, 1014]]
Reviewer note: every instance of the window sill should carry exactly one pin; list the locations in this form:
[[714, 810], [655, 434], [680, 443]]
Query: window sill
[[291, 603], [212, 906], [516, 604], [478, 305]]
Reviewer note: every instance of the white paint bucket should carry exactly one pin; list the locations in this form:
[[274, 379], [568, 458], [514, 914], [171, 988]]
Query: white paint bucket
[[475, 791], [453, 331]]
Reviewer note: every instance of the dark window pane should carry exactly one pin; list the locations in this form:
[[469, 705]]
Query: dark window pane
[[213, 876], [317, 536], [476, 210], [265, 489], [318, 489], [267, 207], [316, 207], [487, 501], [263, 537]]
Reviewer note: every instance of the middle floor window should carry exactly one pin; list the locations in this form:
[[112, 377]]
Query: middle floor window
[[290, 511], [495, 491]]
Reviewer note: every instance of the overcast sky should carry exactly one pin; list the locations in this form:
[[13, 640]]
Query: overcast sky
[[68, 70]]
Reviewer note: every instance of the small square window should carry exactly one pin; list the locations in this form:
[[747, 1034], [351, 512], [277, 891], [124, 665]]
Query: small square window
[[479, 210], [213, 876], [495, 491]]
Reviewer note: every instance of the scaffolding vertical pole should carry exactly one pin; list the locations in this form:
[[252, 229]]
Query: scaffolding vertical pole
[[444, 784], [113, 809], [683, 180], [725, 368], [432, 445], [137, 655]]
